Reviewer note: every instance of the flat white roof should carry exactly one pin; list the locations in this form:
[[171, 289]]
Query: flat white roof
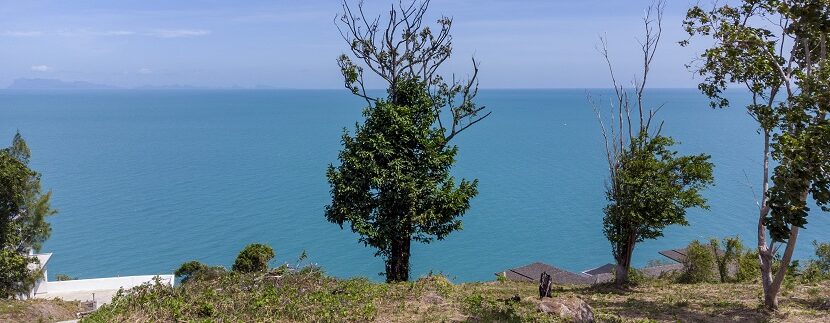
[[42, 258]]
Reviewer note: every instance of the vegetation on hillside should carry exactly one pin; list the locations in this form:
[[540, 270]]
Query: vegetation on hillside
[[309, 295]]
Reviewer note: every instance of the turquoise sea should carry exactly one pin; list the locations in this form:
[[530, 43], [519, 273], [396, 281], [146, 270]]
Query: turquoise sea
[[146, 180]]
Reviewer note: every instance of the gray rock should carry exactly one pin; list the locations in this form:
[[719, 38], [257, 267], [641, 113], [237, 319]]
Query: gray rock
[[825, 306], [570, 308]]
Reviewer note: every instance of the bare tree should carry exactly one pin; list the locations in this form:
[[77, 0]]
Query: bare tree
[[401, 46], [649, 186]]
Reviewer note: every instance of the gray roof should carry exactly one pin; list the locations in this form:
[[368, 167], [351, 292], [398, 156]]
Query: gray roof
[[533, 272], [604, 269], [657, 271], [679, 255]]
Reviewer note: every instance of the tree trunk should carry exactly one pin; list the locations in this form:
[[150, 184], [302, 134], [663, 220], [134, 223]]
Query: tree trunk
[[397, 266], [772, 285], [624, 261], [621, 274]]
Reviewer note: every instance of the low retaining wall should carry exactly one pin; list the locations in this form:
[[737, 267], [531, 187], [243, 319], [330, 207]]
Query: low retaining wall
[[110, 283]]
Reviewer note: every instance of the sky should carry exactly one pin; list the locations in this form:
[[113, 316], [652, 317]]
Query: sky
[[294, 44]]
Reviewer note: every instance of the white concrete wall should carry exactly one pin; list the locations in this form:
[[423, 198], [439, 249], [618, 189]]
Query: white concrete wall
[[83, 285]]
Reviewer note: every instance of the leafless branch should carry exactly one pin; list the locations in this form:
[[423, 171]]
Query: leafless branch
[[406, 49]]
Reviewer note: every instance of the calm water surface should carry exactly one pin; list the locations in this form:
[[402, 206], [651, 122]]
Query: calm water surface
[[146, 180]]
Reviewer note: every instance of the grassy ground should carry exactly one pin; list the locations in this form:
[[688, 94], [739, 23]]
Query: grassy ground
[[312, 296], [37, 310]]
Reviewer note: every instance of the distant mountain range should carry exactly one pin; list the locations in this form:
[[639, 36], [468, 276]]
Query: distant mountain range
[[54, 84]]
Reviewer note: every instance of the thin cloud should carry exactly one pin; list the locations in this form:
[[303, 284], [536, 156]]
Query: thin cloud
[[178, 33], [158, 33], [145, 70], [22, 33], [41, 68]]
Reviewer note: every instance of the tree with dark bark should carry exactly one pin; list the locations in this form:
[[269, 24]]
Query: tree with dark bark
[[393, 184], [650, 186], [777, 49]]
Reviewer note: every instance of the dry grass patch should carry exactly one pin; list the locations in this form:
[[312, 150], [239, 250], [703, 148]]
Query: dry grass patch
[[37, 310]]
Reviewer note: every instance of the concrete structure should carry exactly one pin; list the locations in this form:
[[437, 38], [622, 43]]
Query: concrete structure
[[97, 290], [43, 260]]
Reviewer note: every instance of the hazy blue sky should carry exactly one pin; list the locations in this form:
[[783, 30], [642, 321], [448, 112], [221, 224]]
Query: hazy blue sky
[[293, 44]]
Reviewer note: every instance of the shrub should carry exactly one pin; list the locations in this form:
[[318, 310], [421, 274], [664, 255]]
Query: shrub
[[62, 277], [635, 276], [748, 268], [15, 277], [728, 257], [253, 258], [823, 255], [819, 268], [699, 265], [194, 270]]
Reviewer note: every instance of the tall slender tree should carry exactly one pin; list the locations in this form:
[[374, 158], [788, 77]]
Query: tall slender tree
[[393, 184], [650, 186], [23, 212], [777, 49]]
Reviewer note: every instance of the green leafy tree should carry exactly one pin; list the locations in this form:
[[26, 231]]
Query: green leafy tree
[[651, 186], [777, 49], [23, 212], [253, 258], [393, 184]]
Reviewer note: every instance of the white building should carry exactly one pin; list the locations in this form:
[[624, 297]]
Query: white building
[[97, 290]]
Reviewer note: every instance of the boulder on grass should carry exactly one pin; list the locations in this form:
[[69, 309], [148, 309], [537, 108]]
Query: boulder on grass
[[570, 308]]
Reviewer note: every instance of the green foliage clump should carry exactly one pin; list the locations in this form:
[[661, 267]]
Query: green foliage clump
[[64, 277], [15, 277], [726, 257], [253, 258], [195, 270], [747, 267], [822, 261], [818, 269], [699, 266]]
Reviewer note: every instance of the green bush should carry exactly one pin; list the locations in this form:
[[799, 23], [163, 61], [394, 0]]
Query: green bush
[[253, 258], [823, 255], [194, 270], [699, 265], [748, 267], [62, 277], [635, 276], [15, 277], [727, 257], [818, 269]]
